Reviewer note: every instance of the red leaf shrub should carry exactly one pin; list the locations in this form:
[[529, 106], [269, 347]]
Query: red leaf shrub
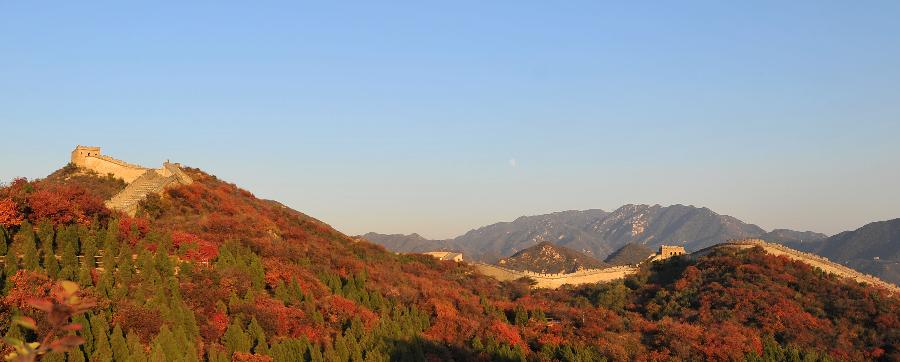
[[65, 204], [9, 213]]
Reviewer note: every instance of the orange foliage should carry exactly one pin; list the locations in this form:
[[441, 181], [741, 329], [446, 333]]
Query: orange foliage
[[196, 249], [25, 285], [507, 334], [65, 204], [9, 213], [341, 309], [133, 229], [143, 321]]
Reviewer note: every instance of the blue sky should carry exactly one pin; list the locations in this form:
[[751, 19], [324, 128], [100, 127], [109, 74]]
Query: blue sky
[[406, 116]]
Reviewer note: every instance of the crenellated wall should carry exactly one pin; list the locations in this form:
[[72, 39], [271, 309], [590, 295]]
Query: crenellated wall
[[816, 261], [141, 181], [558, 280], [104, 165]]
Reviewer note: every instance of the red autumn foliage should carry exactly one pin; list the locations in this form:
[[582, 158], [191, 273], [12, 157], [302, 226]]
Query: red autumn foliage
[[133, 229], [714, 307], [26, 285], [9, 213], [341, 309], [507, 334], [143, 321], [215, 326], [65, 204], [194, 247]]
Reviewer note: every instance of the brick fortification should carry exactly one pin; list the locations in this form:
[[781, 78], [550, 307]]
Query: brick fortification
[[142, 181], [586, 276]]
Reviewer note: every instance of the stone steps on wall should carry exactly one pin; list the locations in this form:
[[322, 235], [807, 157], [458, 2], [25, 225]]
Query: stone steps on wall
[[148, 183]]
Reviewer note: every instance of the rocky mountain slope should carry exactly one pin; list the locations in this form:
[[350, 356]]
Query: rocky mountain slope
[[596, 233], [412, 243], [630, 254], [550, 259]]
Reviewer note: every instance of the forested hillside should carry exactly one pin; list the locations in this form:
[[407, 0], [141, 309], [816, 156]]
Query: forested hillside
[[208, 272]]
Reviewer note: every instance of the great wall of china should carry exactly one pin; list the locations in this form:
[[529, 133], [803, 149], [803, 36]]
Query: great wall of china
[[141, 181], [558, 280], [615, 273], [816, 261]]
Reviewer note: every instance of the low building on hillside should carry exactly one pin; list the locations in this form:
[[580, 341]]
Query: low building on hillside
[[445, 255]]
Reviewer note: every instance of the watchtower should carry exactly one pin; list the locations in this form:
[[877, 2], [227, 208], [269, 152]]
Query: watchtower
[[669, 251], [82, 152]]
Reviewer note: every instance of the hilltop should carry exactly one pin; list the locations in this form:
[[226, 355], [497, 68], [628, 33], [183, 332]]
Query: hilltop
[[207, 271], [550, 259]]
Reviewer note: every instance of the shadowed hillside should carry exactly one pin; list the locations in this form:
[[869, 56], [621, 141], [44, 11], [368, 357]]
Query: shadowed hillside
[[550, 259], [630, 254]]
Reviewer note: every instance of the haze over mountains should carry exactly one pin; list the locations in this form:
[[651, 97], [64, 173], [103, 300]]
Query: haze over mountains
[[872, 249], [596, 232]]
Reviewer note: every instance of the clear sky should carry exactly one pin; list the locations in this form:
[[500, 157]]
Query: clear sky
[[436, 118]]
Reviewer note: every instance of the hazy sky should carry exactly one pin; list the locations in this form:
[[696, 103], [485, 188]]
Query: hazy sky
[[437, 118]]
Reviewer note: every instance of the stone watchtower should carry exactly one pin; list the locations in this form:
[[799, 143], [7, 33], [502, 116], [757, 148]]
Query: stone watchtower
[[670, 251], [81, 152], [141, 181]]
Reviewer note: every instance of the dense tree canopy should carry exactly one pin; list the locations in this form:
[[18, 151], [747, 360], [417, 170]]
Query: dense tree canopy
[[209, 272]]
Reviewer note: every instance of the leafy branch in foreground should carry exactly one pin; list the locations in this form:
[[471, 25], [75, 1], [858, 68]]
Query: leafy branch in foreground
[[63, 304]]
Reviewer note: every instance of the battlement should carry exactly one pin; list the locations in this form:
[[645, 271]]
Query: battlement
[[142, 181], [81, 152], [668, 251]]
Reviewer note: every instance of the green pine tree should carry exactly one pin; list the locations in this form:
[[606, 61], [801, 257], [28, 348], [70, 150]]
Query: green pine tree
[[235, 339], [111, 238], [75, 355], [54, 357], [89, 250], [118, 344], [218, 355], [11, 262], [135, 348], [258, 337], [28, 244], [85, 278], [85, 332], [102, 349], [4, 239]]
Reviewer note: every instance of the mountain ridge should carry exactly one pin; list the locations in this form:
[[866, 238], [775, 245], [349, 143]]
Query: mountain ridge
[[595, 232]]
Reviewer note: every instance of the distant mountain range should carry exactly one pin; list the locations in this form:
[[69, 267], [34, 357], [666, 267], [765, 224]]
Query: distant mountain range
[[597, 233], [548, 258], [639, 229]]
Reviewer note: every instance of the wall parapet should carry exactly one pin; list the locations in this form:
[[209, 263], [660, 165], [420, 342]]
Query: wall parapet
[[556, 280], [180, 175], [814, 260], [120, 162]]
